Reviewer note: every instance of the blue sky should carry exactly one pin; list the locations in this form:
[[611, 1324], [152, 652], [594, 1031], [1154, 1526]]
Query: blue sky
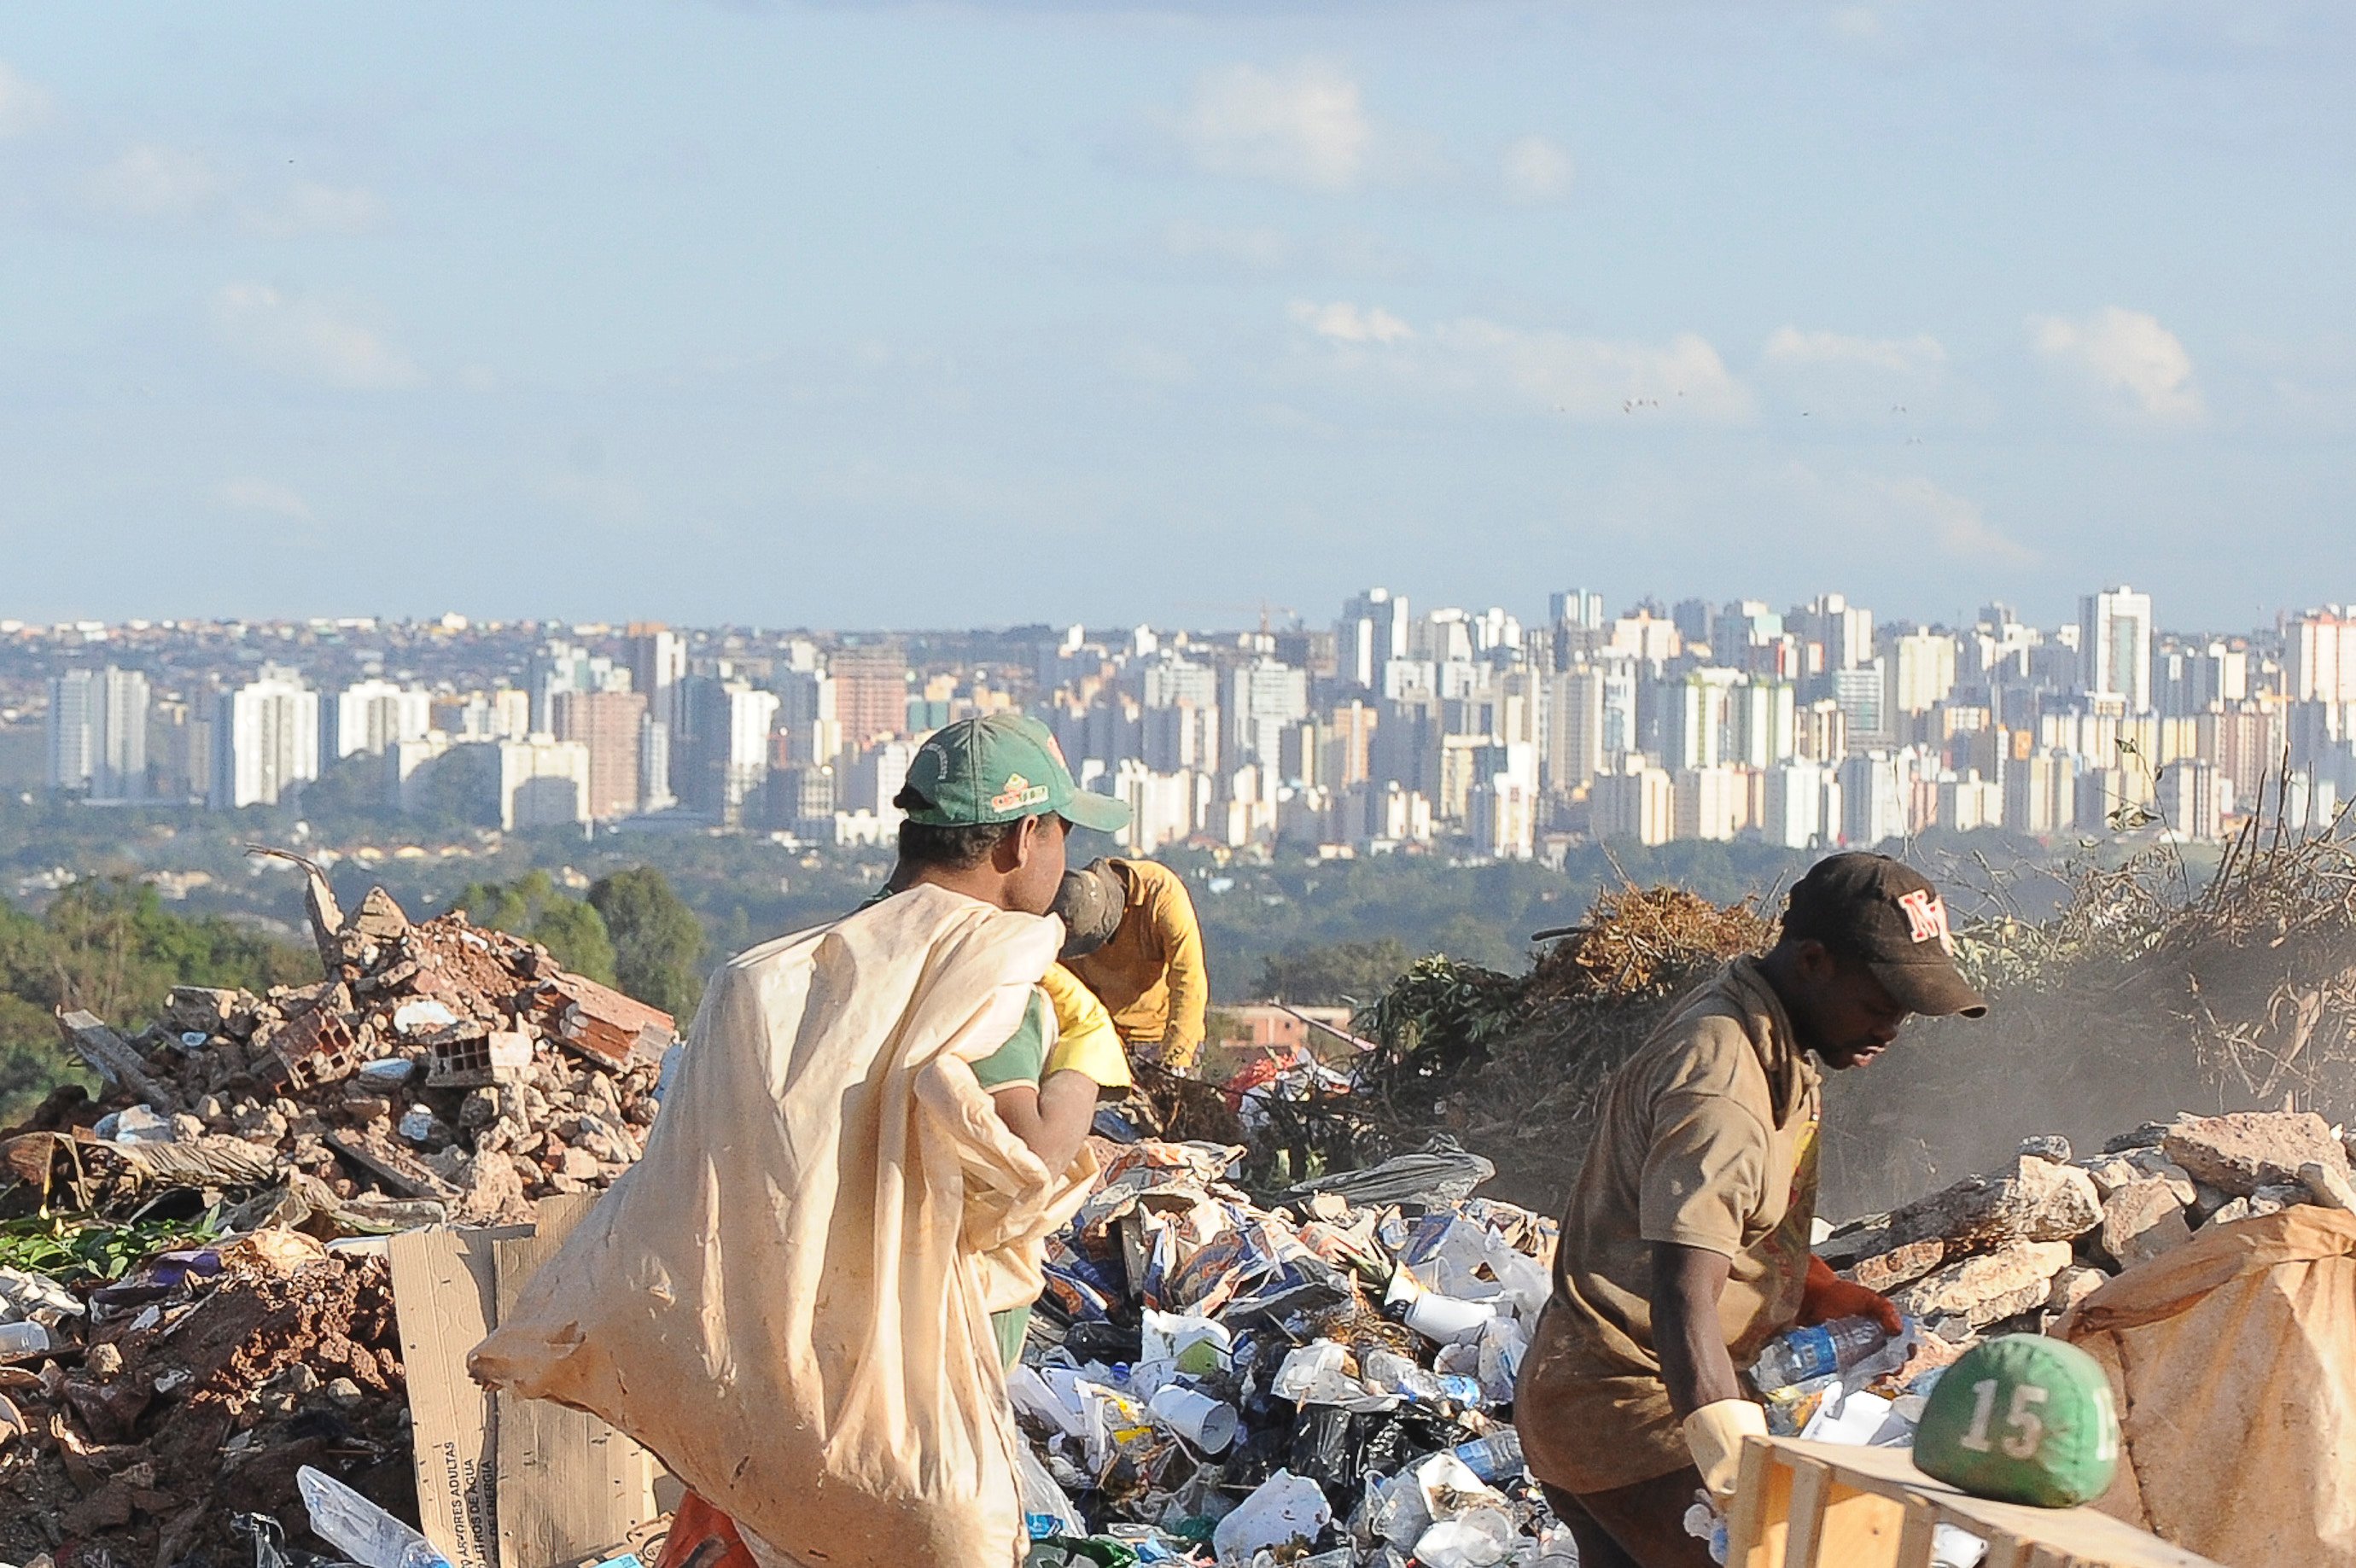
[[866, 314]]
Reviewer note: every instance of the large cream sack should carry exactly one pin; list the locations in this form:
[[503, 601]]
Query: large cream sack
[[788, 1299]]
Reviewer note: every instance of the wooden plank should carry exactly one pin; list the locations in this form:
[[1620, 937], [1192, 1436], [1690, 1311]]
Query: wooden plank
[[1762, 1494], [1861, 1527], [1915, 1537], [569, 1484], [2073, 1536], [2006, 1552], [1811, 1487]]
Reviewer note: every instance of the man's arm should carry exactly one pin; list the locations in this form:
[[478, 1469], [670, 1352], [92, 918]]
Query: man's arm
[[1688, 1282], [1051, 1118]]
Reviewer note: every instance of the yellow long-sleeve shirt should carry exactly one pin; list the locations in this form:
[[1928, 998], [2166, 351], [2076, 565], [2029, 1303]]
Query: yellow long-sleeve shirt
[[1151, 976]]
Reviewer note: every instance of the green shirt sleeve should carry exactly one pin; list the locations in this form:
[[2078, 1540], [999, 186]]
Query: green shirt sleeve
[[1020, 1060]]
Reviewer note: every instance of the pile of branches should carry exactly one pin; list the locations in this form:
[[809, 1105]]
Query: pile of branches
[[1511, 1064]]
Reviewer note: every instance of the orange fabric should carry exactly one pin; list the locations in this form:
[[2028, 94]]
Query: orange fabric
[[696, 1523], [1150, 975]]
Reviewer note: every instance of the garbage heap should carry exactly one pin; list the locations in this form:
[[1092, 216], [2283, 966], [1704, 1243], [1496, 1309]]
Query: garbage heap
[[2011, 1252], [1325, 1380], [440, 1071], [169, 1404]]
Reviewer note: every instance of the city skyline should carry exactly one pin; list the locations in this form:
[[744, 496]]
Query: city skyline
[[1390, 727], [902, 315]]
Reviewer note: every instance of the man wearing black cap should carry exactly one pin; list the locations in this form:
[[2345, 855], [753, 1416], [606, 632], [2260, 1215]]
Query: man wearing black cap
[[1685, 1244]]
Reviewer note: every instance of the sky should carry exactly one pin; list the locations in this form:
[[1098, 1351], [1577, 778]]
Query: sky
[[892, 315]]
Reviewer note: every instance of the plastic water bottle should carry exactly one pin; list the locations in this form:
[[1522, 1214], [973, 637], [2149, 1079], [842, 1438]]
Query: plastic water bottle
[[1806, 1354], [358, 1529], [1395, 1373], [1496, 1458], [18, 1340]]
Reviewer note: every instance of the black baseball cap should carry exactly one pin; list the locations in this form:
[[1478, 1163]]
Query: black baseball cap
[[1886, 916]]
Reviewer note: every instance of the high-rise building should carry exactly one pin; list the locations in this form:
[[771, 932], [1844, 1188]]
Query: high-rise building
[[542, 783], [1800, 806], [1263, 697], [2319, 656], [1873, 800], [1762, 722], [368, 715], [1373, 631], [98, 734], [658, 661], [1639, 805], [265, 740], [1920, 672], [1843, 631], [2114, 645], [2041, 795], [871, 693], [1574, 749], [1580, 607], [1707, 802], [568, 667], [612, 725]]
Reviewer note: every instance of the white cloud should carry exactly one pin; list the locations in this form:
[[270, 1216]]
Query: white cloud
[[1538, 170], [1902, 513], [1594, 378], [1302, 125], [151, 180], [311, 208], [1683, 380], [1346, 323], [1905, 356], [266, 496], [305, 339], [25, 106], [2136, 364]]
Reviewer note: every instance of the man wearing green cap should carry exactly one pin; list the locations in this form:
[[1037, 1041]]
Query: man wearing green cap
[[989, 804], [1685, 1245]]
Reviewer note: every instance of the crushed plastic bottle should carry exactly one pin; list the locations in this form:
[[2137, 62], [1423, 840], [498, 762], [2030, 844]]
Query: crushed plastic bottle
[[1496, 1458], [1395, 1373], [358, 1529], [1794, 1358]]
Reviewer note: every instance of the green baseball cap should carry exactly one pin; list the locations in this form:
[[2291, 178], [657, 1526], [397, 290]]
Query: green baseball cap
[[1002, 767]]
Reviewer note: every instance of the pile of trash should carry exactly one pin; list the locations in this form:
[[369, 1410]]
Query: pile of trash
[[1324, 1382], [440, 1071], [141, 1418]]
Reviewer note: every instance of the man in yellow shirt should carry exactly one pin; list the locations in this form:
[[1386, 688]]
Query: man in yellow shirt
[[1134, 942]]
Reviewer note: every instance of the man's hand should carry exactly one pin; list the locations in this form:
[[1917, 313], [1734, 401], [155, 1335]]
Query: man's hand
[[1826, 1296]]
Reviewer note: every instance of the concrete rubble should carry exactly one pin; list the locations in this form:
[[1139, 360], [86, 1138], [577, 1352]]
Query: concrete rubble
[[440, 1071]]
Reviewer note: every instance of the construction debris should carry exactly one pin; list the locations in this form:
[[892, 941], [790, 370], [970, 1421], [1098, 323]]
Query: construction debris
[[455, 1070]]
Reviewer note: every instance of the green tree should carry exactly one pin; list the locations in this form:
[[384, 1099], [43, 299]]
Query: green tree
[[1336, 974], [574, 932], [657, 941]]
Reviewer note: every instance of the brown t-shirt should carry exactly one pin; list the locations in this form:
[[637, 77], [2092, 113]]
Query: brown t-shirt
[[1707, 1138]]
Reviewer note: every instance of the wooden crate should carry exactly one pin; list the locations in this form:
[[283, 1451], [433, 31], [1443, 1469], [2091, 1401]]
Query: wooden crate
[[1825, 1505]]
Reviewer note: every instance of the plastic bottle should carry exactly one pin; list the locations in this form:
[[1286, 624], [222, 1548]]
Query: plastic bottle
[[358, 1529], [1389, 1371], [18, 1340], [1806, 1354], [1496, 1458]]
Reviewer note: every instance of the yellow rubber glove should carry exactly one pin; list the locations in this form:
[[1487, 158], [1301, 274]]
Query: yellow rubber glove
[[1715, 1434]]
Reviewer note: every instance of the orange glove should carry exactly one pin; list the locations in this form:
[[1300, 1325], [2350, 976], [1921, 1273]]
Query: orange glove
[[1826, 1295]]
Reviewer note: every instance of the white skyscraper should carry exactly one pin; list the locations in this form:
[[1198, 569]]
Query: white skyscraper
[[265, 740], [1372, 632], [372, 715], [98, 734], [2114, 645], [1263, 698]]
